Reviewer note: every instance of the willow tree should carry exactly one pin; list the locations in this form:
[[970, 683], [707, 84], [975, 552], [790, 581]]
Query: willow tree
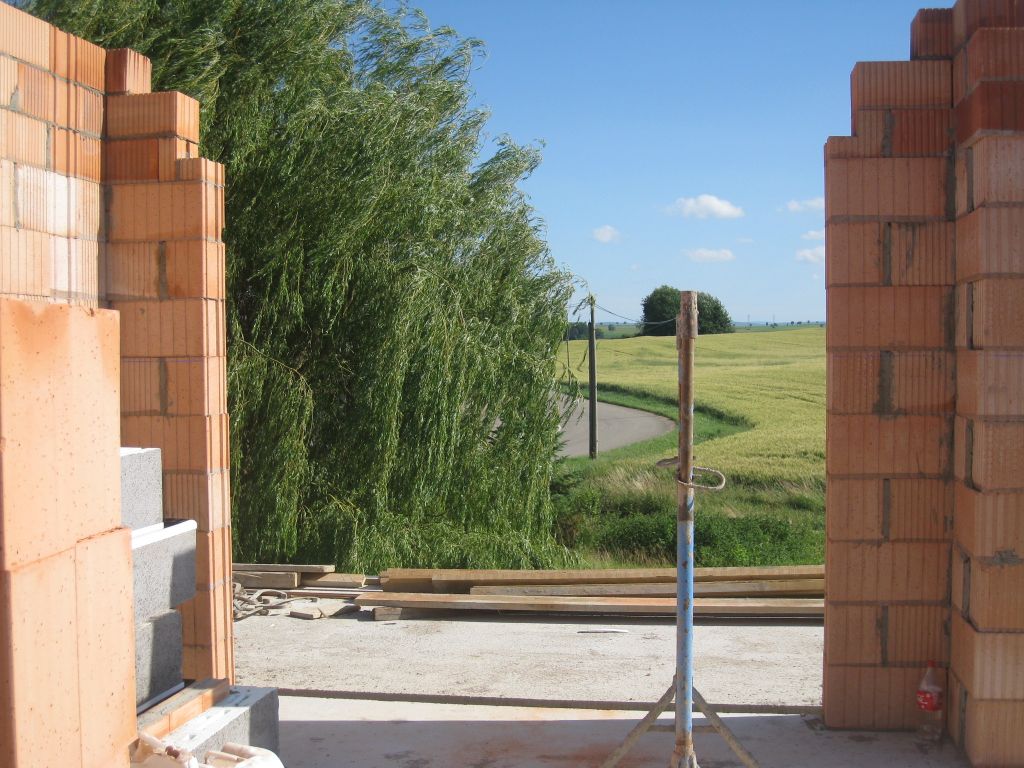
[[393, 309]]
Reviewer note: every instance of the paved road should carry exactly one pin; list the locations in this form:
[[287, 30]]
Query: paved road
[[616, 426]]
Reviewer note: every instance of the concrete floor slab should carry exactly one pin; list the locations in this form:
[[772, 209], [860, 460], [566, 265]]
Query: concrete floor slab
[[534, 657], [440, 661], [331, 733]]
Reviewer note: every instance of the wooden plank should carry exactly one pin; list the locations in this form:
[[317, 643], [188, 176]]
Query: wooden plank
[[461, 581], [347, 580], [778, 588], [266, 580], [333, 594], [282, 567], [647, 606]]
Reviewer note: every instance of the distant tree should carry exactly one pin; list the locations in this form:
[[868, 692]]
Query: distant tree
[[582, 331], [661, 306], [577, 331]]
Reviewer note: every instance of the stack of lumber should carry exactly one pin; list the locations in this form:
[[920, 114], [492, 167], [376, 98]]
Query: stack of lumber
[[784, 591], [299, 580]]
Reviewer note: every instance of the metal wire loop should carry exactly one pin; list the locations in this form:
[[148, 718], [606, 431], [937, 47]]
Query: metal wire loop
[[720, 482]]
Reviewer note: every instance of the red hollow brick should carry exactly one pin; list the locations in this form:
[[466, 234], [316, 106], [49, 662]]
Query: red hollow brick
[[990, 453], [896, 189], [992, 107], [990, 242], [38, 661], [888, 445], [916, 634], [188, 443], [201, 496], [106, 647], [885, 382], [989, 525], [875, 698], [989, 383], [990, 664], [24, 37], [889, 84], [931, 34], [887, 572], [127, 72], [890, 318], [853, 634], [970, 16], [166, 113], [172, 328], [991, 55], [59, 379]]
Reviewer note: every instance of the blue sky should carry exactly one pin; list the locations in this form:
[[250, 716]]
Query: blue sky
[[683, 140]]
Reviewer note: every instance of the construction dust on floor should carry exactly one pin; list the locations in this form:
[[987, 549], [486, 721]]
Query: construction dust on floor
[[354, 662]]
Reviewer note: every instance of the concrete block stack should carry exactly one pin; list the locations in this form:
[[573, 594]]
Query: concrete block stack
[[941, 329], [891, 378]]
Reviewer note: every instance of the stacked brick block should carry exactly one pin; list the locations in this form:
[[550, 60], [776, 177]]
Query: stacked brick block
[[891, 379], [111, 333], [987, 663], [926, 384], [67, 674], [165, 267]]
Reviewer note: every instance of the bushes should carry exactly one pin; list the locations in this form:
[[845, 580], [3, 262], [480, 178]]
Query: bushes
[[638, 525]]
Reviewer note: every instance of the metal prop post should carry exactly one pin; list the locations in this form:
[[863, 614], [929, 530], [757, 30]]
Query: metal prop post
[[682, 690], [686, 336]]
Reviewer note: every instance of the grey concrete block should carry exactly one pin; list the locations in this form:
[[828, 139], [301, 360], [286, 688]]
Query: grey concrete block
[[164, 568], [245, 716], [141, 487], [158, 652]]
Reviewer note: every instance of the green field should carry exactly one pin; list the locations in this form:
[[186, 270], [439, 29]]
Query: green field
[[761, 420]]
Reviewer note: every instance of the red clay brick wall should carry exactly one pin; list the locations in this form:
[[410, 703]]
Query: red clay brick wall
[[165, 266], [987, 664], [925, 514], [891, 388], [103, 203]]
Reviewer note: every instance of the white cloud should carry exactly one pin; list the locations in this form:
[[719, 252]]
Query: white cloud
[[607, 234], [705, 207], [710, 254], [814, 234], [815, 255], [800, 206]]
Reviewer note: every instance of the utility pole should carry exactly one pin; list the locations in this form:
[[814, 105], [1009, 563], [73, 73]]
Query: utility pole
[[593, 380]]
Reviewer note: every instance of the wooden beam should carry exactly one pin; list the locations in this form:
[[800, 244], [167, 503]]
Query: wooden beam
[[778, 588], [644, 606], [346, 580], [461, 581], [278, 567], [266, 580]]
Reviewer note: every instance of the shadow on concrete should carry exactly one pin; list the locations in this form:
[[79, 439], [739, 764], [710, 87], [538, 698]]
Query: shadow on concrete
[[399, 735]]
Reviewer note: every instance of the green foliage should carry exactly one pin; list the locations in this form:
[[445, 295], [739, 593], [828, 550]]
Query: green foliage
[[393, 312], [661, 307]]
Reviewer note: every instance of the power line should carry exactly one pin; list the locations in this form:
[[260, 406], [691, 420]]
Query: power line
[[631, 320]]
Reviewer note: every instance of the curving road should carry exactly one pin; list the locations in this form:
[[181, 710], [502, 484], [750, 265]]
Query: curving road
[[616, 426]]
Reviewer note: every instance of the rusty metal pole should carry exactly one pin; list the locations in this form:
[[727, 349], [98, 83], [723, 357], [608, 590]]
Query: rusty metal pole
[[686, 336]]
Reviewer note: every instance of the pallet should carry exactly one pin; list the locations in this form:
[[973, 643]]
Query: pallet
[[642, 606]]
